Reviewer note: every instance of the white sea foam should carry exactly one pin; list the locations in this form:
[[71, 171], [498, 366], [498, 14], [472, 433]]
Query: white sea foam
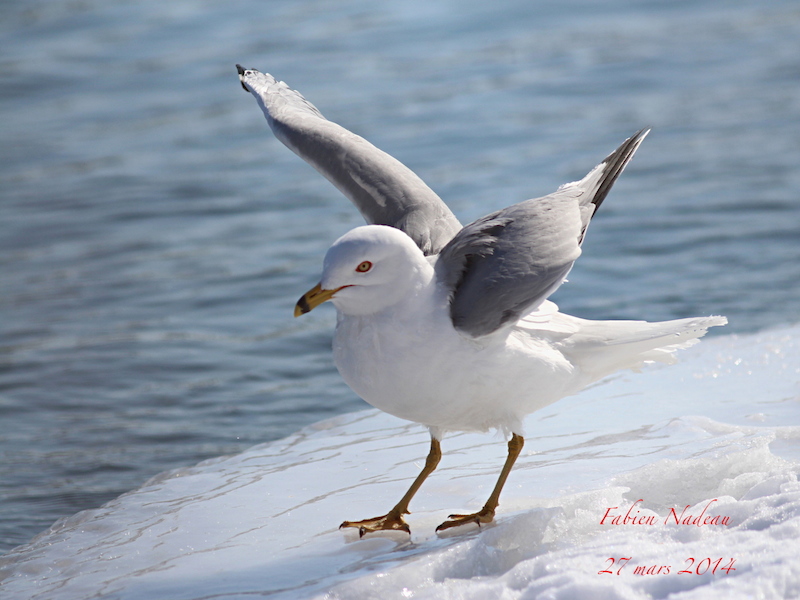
[[716, 432]]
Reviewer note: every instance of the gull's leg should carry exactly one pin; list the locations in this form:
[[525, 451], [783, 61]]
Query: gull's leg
[[393, 520], [486, 514]]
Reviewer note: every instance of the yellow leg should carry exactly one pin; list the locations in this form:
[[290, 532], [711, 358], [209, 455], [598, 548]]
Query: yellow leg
[[393, 520], [486, 514]]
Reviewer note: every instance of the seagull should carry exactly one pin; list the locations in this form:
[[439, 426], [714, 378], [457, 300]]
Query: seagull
[[450, 326]]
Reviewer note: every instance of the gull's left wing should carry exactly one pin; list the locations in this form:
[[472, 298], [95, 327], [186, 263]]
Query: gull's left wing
[[384, 190], [504, 265]]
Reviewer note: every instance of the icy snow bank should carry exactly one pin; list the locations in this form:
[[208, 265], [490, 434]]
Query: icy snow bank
[[719, 426]]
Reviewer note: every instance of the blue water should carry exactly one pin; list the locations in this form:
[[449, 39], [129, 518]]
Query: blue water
[[154, 236]]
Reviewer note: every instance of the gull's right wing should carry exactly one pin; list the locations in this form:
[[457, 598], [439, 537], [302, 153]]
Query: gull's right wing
[[384, 190]]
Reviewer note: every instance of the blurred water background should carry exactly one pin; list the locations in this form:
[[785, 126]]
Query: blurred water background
[[154, 236]]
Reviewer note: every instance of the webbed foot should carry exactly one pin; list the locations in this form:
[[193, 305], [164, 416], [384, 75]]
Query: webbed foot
[[391, 521], [485, 515]]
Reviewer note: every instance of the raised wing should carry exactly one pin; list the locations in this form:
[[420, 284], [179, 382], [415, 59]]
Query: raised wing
[[384, 190], [507, 263]]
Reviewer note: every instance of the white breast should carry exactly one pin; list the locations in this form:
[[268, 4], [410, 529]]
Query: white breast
[[414, 365]]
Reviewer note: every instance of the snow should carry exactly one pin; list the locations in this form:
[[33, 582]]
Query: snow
[[716, 432]]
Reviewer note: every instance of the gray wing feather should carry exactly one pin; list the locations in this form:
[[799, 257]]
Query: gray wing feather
[[505, 264], [385, 191]]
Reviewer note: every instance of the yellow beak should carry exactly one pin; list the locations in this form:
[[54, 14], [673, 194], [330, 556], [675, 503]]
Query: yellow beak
[[312, 299]]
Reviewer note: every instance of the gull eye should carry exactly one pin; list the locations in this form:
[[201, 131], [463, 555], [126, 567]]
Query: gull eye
[[364, 267]]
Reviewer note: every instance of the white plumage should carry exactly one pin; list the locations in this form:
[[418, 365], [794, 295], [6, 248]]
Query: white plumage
[[396, 347], [450, 326]]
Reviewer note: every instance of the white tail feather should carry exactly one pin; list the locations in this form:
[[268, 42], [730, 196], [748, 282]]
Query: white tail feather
[[631, 344]]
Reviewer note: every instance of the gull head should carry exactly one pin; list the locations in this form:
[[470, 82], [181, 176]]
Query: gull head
[[368, 270]]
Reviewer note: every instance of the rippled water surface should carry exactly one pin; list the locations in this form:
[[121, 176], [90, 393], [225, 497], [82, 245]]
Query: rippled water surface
[[154, 236]]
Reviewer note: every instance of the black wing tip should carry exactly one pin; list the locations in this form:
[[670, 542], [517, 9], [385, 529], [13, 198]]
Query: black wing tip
[[616, 162], [242, 71]]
